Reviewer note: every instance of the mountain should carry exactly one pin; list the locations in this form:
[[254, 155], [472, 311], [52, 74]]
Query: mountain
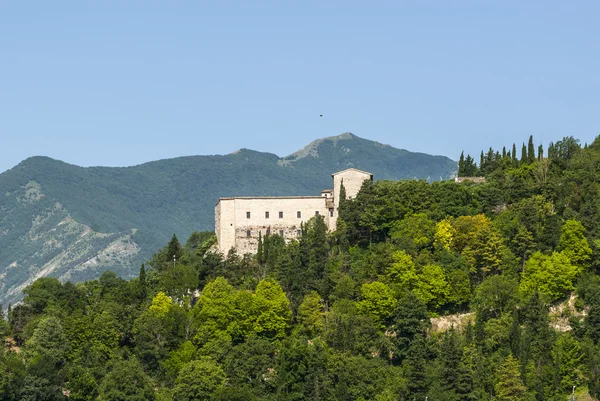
[[74, 222]]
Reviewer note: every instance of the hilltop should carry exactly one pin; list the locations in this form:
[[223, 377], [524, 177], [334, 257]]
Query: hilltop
[[74, 222]]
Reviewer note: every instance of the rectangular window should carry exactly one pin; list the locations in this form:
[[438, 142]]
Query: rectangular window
[[281, 215], [281, 233], [266, 215], [331, 212], [247, 215], [299, 233], [248, 234], [317, 213], [299, 214]]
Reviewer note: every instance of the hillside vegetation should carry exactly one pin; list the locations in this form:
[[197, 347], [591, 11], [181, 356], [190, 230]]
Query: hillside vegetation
[[347, 315], [73, 223]]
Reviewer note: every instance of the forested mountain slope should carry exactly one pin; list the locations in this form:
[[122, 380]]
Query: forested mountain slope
[[347, 315], [72, 222]]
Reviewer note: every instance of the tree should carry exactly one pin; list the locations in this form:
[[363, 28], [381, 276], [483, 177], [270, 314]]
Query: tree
[[199, 380], [432, 287], [311, 314], [174, 249], [414, 369], [377, 301], [551, 275], [574, 244], [414, 232], [409, 319], [82, 385], [142, 283], [47, 347], [272, 308], [126, 381], [530, 150], [509, 387], [567, 355]]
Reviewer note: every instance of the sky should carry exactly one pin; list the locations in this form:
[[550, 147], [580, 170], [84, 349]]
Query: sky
[[119, 83]]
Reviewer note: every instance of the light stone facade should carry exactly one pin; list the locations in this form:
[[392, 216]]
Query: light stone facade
[[239, 220]]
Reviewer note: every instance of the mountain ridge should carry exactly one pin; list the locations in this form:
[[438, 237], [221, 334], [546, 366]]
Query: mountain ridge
[[129, 212]]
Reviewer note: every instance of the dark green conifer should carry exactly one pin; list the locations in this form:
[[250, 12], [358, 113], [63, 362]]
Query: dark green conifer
[[174, 249], [530, 150], [142, 282], [260, 253]]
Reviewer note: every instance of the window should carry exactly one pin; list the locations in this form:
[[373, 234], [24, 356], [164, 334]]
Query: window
[[299, 214], [299, 233], [281, 215], [331, 212], [266, 215], [247, 215], [281, 233], [248, 233], [317, 213]]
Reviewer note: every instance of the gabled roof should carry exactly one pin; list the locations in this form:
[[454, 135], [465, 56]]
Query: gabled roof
[[352, 169]]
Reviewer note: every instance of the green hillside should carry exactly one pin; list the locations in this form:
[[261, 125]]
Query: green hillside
[[73, 222], [453, 291]]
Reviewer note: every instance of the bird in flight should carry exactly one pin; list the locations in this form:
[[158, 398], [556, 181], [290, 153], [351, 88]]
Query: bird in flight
[[320, 115]]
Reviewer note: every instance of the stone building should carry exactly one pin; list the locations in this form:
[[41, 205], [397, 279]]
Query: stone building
[[239, 220]]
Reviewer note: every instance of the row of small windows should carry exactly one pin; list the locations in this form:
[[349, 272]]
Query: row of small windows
[[281, 233], [298, 214]]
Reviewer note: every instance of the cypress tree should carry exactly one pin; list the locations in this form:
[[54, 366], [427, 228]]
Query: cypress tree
[[523, 154], [142, 282], [342, 195], [461, 164], [530, 150], [260, 253], [503, 152], [540, 153], [514, 152]]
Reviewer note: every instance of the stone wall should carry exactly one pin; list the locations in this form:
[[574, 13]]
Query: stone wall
[[257, 221]]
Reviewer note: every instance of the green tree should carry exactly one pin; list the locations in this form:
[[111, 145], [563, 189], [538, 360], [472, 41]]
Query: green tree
[[414, 367], [82, 385], [567, 355], [509, 387], [574, 244], [432, 287], [410, 319], [126, 381], [551, 275], [377, 301], [47, 347], [530, 150], [272, 309], [311, 314], [199, 380]]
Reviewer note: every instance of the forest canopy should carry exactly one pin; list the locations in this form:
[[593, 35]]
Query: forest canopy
[[356, 314]]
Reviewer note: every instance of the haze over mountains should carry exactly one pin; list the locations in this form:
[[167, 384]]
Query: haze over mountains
[[73, 222]]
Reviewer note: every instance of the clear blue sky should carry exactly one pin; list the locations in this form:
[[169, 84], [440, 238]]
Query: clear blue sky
[[123, 82]]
